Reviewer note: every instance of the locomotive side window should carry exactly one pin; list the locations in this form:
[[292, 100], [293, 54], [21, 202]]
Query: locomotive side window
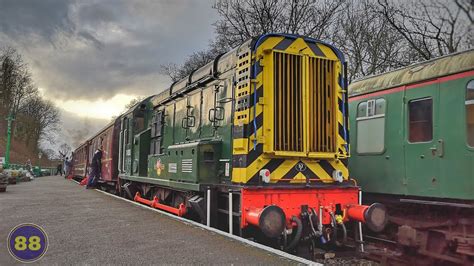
[[420, 120], [371, 126], [470, 113]]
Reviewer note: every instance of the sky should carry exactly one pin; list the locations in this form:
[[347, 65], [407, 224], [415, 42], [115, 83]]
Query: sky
[[91, 57]]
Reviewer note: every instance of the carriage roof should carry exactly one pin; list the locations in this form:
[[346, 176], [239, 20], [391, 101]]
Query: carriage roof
[[438, 67]]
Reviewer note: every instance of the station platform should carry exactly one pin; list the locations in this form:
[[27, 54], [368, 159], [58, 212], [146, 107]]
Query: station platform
[[90, 227]]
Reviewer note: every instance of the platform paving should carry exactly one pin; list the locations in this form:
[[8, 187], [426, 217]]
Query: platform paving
[[89, 227]]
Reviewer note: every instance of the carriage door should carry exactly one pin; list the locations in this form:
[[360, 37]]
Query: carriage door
[[457, 131], [423, 146]]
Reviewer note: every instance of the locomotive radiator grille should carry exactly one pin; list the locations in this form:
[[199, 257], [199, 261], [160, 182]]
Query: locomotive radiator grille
[[293, 97], [288, 96], [295, 117], [321, 108]]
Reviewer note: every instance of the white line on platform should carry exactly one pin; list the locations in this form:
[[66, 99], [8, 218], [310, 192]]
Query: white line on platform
[[234, 237]]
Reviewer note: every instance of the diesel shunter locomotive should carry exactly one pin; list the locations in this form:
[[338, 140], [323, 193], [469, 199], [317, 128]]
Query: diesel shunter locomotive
[[255, 143]]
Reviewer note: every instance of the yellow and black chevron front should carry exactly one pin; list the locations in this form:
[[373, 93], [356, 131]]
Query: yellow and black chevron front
[[289, 112]]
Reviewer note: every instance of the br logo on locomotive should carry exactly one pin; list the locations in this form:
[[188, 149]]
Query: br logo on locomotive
[[300, 167], [27, 242]]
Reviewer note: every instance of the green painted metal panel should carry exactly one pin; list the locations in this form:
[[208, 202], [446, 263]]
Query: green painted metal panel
[[207, 129], [168, 126], [382, 172], [224, 127], [194, 110], [180, 114], [193, 162], [456, 166], [141, 144]]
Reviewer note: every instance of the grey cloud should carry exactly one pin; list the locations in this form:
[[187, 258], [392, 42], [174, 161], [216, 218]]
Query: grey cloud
[[44, 18], [79, 129], [94, 49], [89, 37], [91, 49]]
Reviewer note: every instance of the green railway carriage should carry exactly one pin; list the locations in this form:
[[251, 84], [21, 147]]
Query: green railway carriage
[[255, 140], [413, 149]]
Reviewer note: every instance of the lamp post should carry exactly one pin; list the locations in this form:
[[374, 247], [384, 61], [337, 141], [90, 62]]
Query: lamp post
[[10, 119], [39, 163]]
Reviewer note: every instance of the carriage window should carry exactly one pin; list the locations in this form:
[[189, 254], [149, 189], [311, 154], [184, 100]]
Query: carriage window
[[420, 120], [362, 109], [470, 113], [371, 126]]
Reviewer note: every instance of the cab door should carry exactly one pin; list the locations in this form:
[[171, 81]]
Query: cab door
[[423, 147]]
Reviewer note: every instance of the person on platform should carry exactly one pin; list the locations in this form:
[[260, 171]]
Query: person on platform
[[69, 165], [29, 167], [96, 167], [65, 158], [66, 167], [59, 169]]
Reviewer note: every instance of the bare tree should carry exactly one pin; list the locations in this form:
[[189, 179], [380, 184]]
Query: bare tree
[[16, 84], [40, 117], [242, 20], [375, 36], [430, 27], [371, 45], [64, 150], [133, 102], [50, 154], [193, 62]]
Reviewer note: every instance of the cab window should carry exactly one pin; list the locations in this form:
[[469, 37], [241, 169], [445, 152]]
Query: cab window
[[371, 126], [470, 113]]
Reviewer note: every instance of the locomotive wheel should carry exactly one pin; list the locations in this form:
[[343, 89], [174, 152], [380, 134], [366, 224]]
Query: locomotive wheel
[[129, 190]]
